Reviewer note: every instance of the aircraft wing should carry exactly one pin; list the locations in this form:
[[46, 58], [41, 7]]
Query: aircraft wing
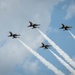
[[62, 24], [10, 32], [30, 22], [43, 44]]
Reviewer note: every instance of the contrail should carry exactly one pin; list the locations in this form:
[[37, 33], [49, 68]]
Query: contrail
[[59, 50], [63, 63], [46, 63], [71, 34]]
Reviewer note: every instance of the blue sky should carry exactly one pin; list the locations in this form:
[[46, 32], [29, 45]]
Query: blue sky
[[15, 59]]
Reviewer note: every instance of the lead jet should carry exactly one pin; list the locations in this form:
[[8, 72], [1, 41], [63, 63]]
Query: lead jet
[[65, 27], [45, 46], [13, 35], [33, 25]]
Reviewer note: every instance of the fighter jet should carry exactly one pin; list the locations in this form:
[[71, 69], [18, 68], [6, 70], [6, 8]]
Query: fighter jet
[[45, 46], [65, 27], [33, 25], [13, 35]]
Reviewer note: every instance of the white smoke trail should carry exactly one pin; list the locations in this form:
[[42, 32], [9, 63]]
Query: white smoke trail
[[64, 63], [59, 50], [71, 34], [46, 63]]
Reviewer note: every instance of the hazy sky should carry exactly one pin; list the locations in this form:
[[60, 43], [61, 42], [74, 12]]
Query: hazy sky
[[15, 15]]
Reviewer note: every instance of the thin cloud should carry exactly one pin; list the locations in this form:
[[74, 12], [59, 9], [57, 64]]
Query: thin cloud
[[70, 11], [31, 66]]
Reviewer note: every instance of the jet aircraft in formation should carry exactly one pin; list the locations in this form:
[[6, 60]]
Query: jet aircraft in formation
[[65, 27], [45, 46], [13, 35], [33, 25]]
